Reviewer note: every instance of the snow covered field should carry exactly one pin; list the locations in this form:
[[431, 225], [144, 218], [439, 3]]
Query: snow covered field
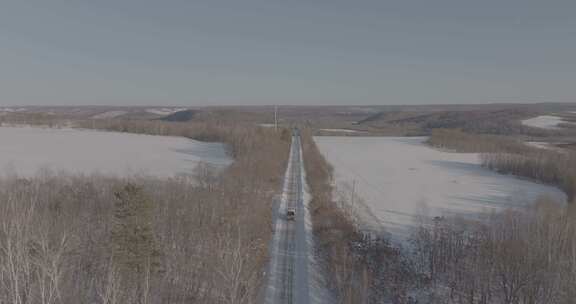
[[109, 114], [26, 150], [399, 178], [555, 146], [12, 110], [164, 111], [541, 145], [340, 130], [544, 122]]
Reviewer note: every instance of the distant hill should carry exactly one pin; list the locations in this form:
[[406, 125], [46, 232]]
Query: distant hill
[[372, 117], [180, 116]]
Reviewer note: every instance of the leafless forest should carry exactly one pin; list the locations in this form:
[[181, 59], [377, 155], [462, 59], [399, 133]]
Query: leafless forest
[[93, 239], [515, 257]]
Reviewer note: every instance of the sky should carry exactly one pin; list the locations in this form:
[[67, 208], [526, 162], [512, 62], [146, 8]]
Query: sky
[[300, 52]]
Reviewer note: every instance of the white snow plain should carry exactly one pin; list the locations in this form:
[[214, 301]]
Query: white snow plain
[[401, 178], [164, 111], [12, 110], [544, 122], [540, 145], [341, 130], [26, 150], [109, 114]]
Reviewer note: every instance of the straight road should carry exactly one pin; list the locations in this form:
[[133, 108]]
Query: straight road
[[288, 273]]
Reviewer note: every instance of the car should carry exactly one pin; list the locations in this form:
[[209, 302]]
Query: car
[[291, 214]]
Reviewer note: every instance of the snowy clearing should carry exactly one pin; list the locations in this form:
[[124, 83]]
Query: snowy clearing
[[340, 130], [25, 151], [540, 145], [109, 114], [400, 178], [546, 145], [544, 122], [12, 110], [164, 111]]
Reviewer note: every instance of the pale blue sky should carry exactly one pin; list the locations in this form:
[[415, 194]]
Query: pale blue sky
[[207, 52]]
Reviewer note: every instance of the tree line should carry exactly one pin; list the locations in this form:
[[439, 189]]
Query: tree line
[[510, 156], [460, 141], [550, 167]]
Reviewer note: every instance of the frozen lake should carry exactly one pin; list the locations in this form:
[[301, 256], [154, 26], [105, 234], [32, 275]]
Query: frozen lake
[[25, 150], [400, 178]]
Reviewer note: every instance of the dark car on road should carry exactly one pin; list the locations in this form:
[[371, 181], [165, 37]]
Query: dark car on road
[[290, 214]]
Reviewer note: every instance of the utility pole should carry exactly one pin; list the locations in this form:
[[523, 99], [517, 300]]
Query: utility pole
[[353, 201], [276, 118], [353, 192]]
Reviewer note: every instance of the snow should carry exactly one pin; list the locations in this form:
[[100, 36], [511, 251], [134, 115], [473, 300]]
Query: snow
[[24, 151], [544, 122], [164, 111], [109, 114], [12, 110], [541, 145], [555, 146], [400, 179], [340, 130]]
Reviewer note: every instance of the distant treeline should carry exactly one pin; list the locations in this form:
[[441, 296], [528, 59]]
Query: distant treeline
[[460, 141], [549, 167], [490, 122]]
